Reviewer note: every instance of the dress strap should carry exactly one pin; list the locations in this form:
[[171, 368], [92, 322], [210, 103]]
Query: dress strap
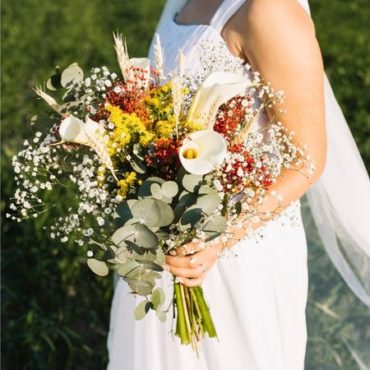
[[224, 12]]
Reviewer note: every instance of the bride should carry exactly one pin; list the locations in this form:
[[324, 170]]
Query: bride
[[258, 291]]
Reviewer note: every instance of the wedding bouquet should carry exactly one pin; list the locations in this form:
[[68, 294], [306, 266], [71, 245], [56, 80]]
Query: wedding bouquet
[[154, 162]]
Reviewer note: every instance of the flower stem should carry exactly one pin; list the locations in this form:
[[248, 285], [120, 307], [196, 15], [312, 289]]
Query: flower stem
[[206, 316], [186, 313], [180, 325], [194, 319]]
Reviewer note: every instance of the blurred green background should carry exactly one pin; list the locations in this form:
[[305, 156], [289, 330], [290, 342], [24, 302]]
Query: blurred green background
[[55, 313]]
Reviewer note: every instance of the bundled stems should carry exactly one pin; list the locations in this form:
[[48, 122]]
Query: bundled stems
[[193, 318]]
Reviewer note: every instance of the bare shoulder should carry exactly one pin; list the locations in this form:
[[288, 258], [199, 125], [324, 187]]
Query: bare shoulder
[[278, 14], [270, 25]]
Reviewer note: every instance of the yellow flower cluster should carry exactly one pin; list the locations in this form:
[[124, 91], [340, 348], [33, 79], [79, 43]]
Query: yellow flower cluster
[[191, 126], [129, 129], [160, 99], [125, 184], [160, 105]]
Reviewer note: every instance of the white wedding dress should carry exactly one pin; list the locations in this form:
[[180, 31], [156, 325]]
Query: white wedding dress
[[257, 294]]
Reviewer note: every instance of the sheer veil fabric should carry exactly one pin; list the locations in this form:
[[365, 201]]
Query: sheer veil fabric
[[340, 200]]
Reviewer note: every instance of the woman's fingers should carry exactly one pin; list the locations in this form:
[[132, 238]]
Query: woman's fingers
[[189, 248], [184, 272], [188, 261], [192, 269], [193, 282]]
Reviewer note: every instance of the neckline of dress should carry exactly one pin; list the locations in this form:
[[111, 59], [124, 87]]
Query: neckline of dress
[[188, 26], [204, 25]]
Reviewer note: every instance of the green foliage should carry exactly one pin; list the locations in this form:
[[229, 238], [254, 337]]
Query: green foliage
[[139, 242], [55, 310]]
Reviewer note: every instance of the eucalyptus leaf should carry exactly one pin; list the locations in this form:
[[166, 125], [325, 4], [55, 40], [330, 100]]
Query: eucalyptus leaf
[[109, 254], [191, 216], [209, 203], [158, 297], [191, 182], [155, 275], [140, 310], [127, 267], [149, 256], [137, 233], [121, 234], [138, 274], [149, 275], [118, 222], [156, 191], [178, 211], [162, 316], [150, 265], [53, 82], [144, 237], [147, 211], [160, 257], [166, 212], [214, 225], [121, 254], [153, 212], [148, 306], [167, 199], [124, 210], [138, 166], [205, 189], [133, 247], [98, 267], [72, 74], [140, 287], [144, 190], [170, 189], [136, 151], [69, 102], [131, 221], [187, 199]]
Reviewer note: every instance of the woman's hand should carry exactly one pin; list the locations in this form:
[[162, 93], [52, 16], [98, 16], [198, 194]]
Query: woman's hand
[[191, 269]]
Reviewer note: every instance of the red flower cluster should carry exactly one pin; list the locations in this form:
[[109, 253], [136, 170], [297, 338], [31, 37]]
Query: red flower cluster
[[230, 115], [128, 95], [265, 178], [164, 157], [241, 171]]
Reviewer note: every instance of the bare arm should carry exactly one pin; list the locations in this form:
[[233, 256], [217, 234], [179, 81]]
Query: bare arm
[[282, 46]]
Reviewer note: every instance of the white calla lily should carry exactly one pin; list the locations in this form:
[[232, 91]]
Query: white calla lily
[[202, 152], [216, 89], [89, 133], [72, 130]]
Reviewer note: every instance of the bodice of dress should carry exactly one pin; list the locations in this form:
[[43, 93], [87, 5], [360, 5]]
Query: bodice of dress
[[200, 43]]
